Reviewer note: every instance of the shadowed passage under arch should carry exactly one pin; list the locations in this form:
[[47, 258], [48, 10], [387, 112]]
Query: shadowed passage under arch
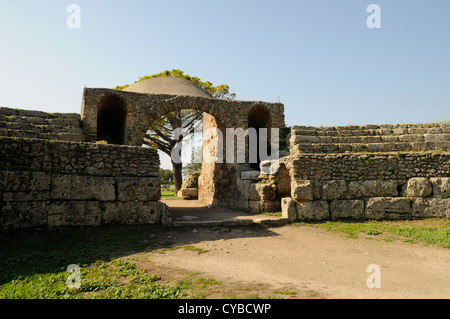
[[259, 117], [111, 119]]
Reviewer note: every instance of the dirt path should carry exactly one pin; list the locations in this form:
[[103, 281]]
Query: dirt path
[[310, 261]]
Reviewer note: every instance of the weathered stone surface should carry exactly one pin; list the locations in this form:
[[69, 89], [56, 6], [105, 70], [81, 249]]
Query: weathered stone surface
[[26, 196], [254, 206], [253, 194], [302, 190], [345, 209], [24, 181], [131, 213], [418, 187], [441, 186], [250, 175], [314, 210], [191, 180], [437, 137], [188, 193], [373, 188], [67, 187], [388, 207], [288, 209], [74, 213], [141, 189], [431, 207], [335, 189], [166, 217], [266, 192], [16, 215], [270, 206]]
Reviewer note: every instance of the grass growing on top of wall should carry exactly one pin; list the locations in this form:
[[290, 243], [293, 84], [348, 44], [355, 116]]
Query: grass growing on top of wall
[[429, 231]]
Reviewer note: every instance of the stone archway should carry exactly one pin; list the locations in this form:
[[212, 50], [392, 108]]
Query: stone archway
[[142, 109]]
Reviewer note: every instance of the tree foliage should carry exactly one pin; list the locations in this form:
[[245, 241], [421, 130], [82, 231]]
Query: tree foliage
[[219, 92]]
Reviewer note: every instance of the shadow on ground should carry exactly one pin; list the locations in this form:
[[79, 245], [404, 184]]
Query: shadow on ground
[[27, 252]]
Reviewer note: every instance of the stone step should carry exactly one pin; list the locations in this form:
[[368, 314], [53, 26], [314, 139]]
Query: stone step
[[40, 128], [76, 137], [7, 113], [372, 130], [443, 137], [369, 147], [266, 222]]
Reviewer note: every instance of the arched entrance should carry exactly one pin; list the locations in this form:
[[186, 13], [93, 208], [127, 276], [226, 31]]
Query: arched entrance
[[259, 117], [111, 119]]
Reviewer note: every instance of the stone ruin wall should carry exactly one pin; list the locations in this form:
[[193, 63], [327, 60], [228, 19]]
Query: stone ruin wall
[[52, 174], [361, 172], [48, 183]]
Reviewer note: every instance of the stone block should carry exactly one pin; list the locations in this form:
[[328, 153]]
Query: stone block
[[441, 186], [253, 194], [254, 206], [431, 207], [373, 188], [141, 189], [302, 190], [347, 209], [418, 187], [17, 215], [24, 181], [188, 193], [445, 127], [266, 192], [67, 187], [270, 206], [74, 213], [288, 209], [26, 196], [335, 189], [437, 137], [388, 208], [314, 210], [250, 175], [131, 213], [304, 139]]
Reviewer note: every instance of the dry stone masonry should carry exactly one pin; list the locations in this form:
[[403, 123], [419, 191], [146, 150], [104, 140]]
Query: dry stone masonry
[[369, 172], [52, 183], [91, 170]]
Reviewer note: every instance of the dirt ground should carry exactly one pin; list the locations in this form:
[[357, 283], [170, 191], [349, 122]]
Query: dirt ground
[[312, 262]]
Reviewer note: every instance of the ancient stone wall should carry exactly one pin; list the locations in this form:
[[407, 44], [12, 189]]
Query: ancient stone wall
[[370, 138], [365, 172], [46, 183]]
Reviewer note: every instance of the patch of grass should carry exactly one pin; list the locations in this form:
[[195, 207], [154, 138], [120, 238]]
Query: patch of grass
[[167, 193], [33, 265], [284, 292], [98, 280], [431, 231], [272, 214], [207, 281]]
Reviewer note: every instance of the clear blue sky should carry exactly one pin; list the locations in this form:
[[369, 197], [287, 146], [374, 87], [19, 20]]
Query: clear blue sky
[[319, 56]]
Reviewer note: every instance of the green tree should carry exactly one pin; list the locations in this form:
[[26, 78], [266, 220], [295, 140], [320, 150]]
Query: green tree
[[166, 176], [160, 133]]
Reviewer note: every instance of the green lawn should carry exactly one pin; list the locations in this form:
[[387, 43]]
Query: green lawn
[[34, 266], [429, 231]]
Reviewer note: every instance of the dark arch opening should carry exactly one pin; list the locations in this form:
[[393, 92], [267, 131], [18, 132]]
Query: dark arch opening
[[111, 120], [259, 117], [282, 182]]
